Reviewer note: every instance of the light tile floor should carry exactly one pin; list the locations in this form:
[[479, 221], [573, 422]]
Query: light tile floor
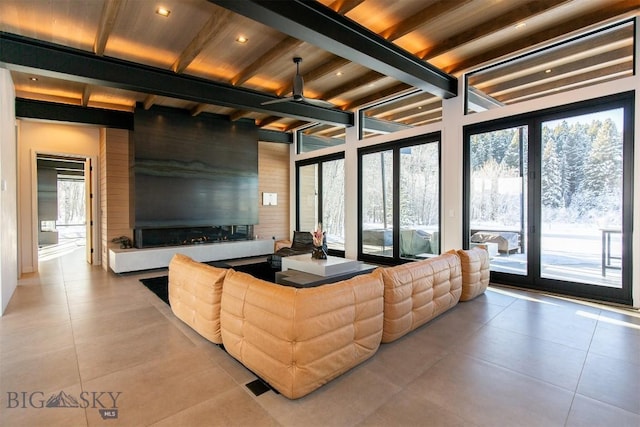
[[508, 358]]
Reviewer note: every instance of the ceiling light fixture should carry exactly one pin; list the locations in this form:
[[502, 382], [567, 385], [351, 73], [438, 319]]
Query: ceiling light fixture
[[242, 39], [339, 73], [547, 71], [521, 25], [163, 11], [33, 79]]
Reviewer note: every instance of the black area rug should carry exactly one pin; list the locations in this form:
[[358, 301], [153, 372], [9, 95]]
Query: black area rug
[[159, 286], [262, 270]]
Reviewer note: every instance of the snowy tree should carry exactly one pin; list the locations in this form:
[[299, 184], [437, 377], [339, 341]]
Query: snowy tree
[[551, 178]]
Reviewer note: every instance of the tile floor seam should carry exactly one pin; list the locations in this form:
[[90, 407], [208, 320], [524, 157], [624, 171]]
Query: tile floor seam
[[75, 347]]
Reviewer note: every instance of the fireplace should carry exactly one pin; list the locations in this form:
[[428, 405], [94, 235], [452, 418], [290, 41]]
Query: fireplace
[[177, 236]]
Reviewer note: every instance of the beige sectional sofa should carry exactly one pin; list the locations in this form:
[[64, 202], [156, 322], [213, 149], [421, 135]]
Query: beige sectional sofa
[[297, 339]]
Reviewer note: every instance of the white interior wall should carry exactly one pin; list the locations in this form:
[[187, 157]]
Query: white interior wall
[[8, 188], [50, 138]]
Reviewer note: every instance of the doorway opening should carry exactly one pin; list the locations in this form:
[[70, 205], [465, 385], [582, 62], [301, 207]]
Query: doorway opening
[[63, 205]]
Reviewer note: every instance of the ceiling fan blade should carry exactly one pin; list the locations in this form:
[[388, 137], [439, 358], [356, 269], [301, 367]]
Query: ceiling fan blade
[[276, 101], [318, 102]]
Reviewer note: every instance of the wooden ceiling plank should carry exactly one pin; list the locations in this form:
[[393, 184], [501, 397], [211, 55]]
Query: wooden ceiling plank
[[363, 80], [268, 120], [220, 18], [511, 18], [108, 18], [557, 30], [401, 87], [295, 125], [600, 61], [281, 49], [422, 18], [588, 75], [321, 26], [609, 42]]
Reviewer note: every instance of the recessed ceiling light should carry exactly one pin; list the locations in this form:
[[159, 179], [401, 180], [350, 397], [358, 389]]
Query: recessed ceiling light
[[163, 11], [33, 79], [339, 73], [548, 70], [242, 39], [521, 25]]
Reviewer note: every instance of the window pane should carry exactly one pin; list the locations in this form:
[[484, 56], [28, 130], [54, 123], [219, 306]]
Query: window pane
[[581, 206], [333, 203], [419, 201], [377, 203], [416, 108], [320, 136], [308, 197], [497, 197]]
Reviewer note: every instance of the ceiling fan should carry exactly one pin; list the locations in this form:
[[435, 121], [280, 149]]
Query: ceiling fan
[[297, 95]]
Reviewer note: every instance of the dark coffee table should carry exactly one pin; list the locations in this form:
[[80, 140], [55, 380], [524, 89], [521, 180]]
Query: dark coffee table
[[301, 279]]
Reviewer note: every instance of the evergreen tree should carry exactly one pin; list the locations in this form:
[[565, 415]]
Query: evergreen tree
[[551, 177]]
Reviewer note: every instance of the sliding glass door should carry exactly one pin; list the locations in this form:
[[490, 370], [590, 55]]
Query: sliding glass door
[[549, 195], [321, 199], [400, 200]]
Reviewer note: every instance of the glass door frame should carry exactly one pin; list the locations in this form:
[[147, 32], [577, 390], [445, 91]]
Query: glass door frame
[[318, 161], [396, 147], [533, 121]]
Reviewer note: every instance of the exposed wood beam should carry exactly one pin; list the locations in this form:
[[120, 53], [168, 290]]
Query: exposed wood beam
[[574, 81], [368, 77], [295, 125], [86, 94], [510, 18], [422, 18], [401, 87], [344, 6], [238, 114], [108, 18], [584, 21], [149, 101], [407, 103], [268, 120], [289, 44], [29, 55], [220, 18], [199, 108], [321, 26], [283, 48]]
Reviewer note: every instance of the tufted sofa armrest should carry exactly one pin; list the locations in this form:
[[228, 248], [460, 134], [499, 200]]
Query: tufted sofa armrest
[[195, 292], [475, 272], [298, 339], [416, 292]]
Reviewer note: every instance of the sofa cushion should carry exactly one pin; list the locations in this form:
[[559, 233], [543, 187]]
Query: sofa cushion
[[298, 339], [416, 292], [475, 272], [195, 291]]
